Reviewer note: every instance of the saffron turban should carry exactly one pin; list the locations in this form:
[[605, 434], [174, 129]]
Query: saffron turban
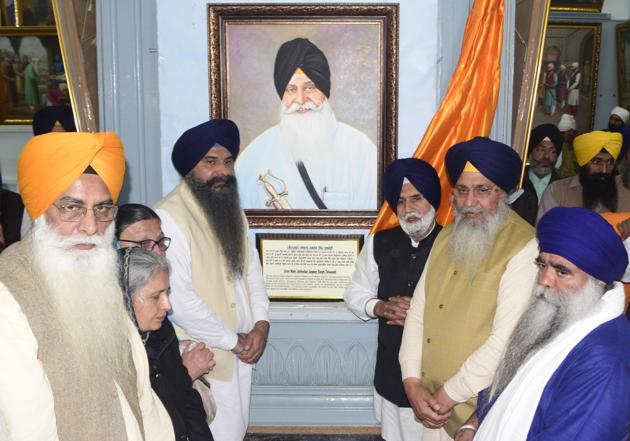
[[46, 118], [588, 145], [194, 143], [301, 53], [585, 239], [421, 175], [543, 131], [494, 160], [51, 163]]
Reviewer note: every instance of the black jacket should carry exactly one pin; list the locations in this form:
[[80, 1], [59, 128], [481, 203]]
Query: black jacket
[[170, 381], [11, 211], [527, 203]]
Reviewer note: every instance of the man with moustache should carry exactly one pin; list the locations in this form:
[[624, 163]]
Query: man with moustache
[[618, 119], [545, 144], [475, 285], [565, 374], [319, 161], [386, 274], [596, 187], [218, 292], [74, 367]]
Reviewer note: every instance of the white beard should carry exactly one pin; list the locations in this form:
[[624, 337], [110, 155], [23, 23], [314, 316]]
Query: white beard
[[420, 229], [85, 295], [472, 241], [547, 314], [308, 135]]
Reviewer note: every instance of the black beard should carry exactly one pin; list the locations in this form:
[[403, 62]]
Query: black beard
[[598, 188], [614, 128], [218, 198]]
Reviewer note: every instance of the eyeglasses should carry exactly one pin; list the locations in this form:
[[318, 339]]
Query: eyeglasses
[[480, 191], [75, 212], [149, 244]]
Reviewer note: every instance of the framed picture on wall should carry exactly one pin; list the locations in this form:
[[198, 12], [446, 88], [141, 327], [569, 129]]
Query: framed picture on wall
[[32, 74], [623, 64], [577, 5], [568, 75], [313, 89]]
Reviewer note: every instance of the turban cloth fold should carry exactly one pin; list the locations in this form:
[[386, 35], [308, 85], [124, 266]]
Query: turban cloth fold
[[588, 145], [305, 55], [44, 120], [194, 143], [585, 239], [545, 131], [421, 175], [494, 160], [51, 163]]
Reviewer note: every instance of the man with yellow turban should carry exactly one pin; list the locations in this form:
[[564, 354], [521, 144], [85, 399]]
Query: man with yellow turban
[[596, 186], [74, 367]]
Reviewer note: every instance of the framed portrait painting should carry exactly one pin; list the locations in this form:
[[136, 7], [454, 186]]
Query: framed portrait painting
[[32, 74], [623, 64], [313, 89], [568, 75]]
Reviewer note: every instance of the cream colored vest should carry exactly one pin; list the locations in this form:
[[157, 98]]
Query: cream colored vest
[[459, 312], [210, 275]]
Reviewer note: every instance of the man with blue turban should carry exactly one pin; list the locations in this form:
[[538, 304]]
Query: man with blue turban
[[474, 287], [565, 374], [218, 293], [386, 274]]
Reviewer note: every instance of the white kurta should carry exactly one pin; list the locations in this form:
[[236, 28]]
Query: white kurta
[[194, 316], [476, 373], [397, 423], [346, 180], [26, 399]]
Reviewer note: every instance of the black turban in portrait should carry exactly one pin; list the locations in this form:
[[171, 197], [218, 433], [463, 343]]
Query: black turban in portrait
[[305, 55], [546, 131]]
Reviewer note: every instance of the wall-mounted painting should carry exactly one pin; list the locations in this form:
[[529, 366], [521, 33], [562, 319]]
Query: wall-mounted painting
[[577, 5], [623, 64]]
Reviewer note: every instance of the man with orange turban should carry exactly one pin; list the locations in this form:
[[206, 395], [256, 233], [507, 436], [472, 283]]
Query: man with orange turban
[[74, 367], [596, 186]]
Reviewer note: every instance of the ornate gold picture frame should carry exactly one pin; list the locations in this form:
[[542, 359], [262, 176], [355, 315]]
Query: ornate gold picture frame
[[360, 43], [577, 5]]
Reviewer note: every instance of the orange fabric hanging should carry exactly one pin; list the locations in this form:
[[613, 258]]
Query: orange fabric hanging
[[470, 102]]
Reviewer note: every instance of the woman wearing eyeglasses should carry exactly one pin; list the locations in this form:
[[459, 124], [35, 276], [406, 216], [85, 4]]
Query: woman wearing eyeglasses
[[138, 226]]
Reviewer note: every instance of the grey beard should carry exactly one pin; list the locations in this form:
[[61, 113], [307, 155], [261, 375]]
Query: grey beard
[[225, 217], [547, 314], [418, 230], [471, 242]]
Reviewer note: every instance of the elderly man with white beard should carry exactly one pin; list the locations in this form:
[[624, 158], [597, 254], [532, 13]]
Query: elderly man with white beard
[[319, 161], [73, 365], [565, 374], [386, 274], [475, 286]]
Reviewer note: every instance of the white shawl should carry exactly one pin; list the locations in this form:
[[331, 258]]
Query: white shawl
[[511, 415]]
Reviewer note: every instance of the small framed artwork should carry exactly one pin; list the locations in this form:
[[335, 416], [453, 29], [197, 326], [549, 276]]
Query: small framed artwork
[[32, 13], [577, 5], [32, 74], [568, 75], [313, 89], [623, 64], [307, 266]]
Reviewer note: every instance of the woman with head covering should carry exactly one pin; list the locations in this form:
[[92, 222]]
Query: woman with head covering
[[144, 280]]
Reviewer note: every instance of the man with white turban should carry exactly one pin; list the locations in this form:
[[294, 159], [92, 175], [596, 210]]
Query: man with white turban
[[73, 365], [618, 119], [596, 186]]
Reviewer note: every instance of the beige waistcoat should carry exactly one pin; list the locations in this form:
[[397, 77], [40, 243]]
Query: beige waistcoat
[[86, 407], [210, 274], [459, 312]]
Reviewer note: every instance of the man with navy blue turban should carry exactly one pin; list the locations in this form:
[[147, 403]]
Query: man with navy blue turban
[[474, 287], [386, 274], [565, 374], [218, 293], [309, 160]]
